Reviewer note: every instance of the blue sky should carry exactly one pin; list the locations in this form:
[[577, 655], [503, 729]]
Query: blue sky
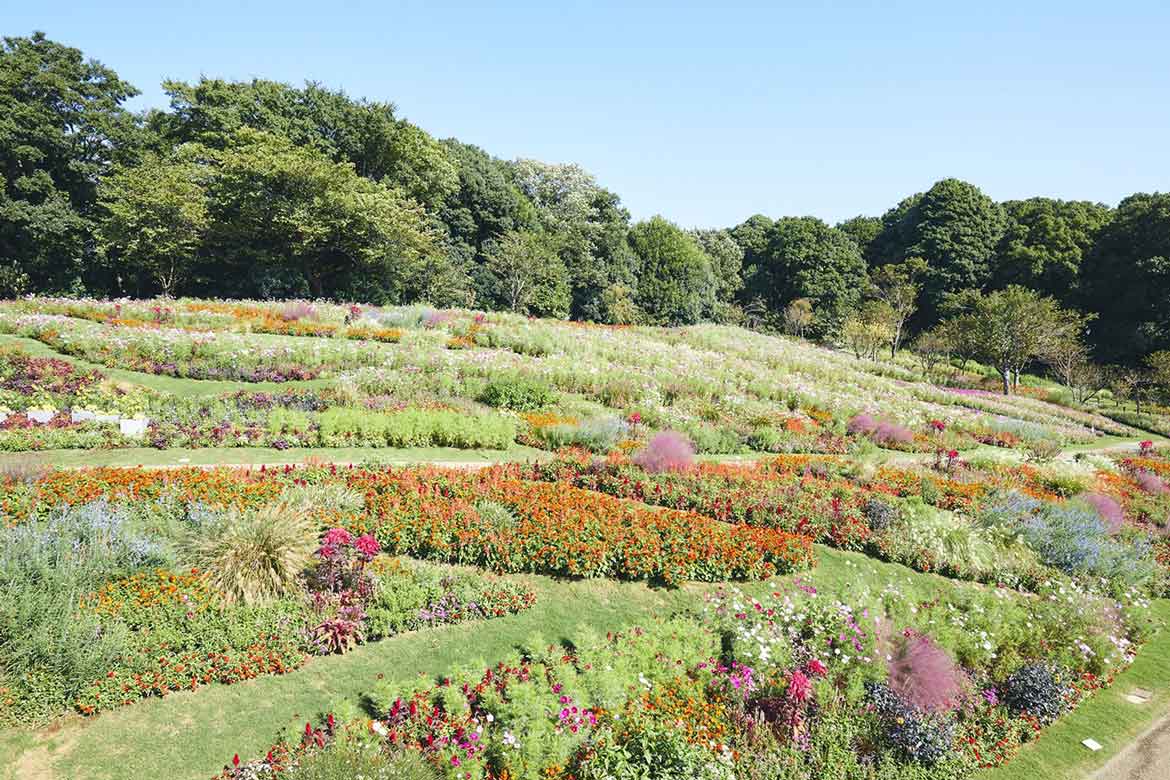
[[708, 113]]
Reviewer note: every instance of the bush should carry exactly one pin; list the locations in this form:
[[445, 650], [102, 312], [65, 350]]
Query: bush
[[918, 736], [925, 676], [879, 515], [667, 451], [48, 647], [600, 434], [346, 427], [1150, 482], [254, 556], [518, 393], [1071, 537], [888, 434], [1038, 690], [1107, 509], [863, 424]]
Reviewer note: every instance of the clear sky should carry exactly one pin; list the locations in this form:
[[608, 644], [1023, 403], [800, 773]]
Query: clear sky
[[707, 113]]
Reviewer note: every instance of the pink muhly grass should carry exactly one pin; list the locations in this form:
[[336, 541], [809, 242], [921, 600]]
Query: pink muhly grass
[[925, 675], [667, 451], [1150, 482], [298, 310], [862, 423], [1110, 512], [891, 433]]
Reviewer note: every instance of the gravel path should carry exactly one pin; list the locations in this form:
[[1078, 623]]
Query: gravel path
[[1146, 758]]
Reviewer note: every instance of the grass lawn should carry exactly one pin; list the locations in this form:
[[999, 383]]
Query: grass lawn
[[189, 736], [1107, 718]]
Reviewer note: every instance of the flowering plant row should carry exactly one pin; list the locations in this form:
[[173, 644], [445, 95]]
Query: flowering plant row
[[506, 524], [934, 685]]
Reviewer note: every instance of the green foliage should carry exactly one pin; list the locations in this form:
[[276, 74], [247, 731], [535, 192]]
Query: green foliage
[[62, 124], [956, 228], [673, 273], [519, 393], [522, 272], [805, 258], [360, 758], [48, 648], [348, 427]]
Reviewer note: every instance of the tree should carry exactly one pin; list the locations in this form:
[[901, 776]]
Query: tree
[[1125, 279], [486, 204], [1045, 244], [154, 218], [799, 316], [674, 274], [864, 232], [590, 224], [286, 215], [525, 274], [1070, 359], [955, 228], [726, 260], [868, 330], [1010, 328], [896, 285], [620, 306], [367, 134], [1159, 364], [932, 348], [805, 258], [62, 125]]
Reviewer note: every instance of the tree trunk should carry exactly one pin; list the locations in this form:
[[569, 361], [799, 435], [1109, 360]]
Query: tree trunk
[[1006, 373]]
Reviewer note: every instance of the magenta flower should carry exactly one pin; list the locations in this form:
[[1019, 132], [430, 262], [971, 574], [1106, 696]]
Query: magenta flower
[[799, 686], [817, 668], [337, 537], [367, 546]]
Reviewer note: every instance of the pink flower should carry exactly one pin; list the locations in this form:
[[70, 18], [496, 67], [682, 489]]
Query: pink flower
[[367, 546], [938, 425], [799, 686], [817, 668], [337, 537]]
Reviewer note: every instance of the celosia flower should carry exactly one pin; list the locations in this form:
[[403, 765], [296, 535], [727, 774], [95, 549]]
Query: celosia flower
[[367, 546]]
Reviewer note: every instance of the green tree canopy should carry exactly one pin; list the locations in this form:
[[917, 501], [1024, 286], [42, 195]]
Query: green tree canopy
[[1125, 279], [288, 216], [805, 258], [1045, 244], [62, 124], [674, 278], [523, 272], [955, 228]]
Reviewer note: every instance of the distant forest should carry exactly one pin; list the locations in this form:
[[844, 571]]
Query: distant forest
[[265, 190]]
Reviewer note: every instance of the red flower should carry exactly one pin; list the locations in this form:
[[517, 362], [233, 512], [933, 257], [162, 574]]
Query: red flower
[[367, 546], [236, 760], [817, 668]]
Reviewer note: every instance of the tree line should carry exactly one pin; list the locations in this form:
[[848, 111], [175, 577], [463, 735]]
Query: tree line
[[263, 189]]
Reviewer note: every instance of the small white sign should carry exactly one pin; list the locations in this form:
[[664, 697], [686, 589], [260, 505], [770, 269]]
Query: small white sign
[[1091, 744]]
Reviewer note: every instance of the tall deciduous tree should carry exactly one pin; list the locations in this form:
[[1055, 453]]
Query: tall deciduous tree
[[1125, 279], [61, 126], [897, 286], [674, 275], [726, 258], [955, 228], [154, 219], [524, 273], [805, 258], [1045, 245], [290, 212]]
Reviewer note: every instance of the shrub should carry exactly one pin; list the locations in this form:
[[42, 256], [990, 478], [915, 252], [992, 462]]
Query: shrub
[[861, 424], [1038, 690], [1071, 537], [344, 426], [889, 434], [600, 434], [879, 514], [48, 648], [1043, 450], [667, 451], [919, 736], [254, 556], [1150, 482], [518, 393]]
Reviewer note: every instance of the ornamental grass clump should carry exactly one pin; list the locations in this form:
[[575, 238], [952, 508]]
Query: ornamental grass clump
[[889, 434], [256, 556], [924, 674], [1150, 482], [1107, 508], [861, 424], [667, 451]]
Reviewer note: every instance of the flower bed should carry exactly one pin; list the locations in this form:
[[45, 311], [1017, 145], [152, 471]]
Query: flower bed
[[890, 684]]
